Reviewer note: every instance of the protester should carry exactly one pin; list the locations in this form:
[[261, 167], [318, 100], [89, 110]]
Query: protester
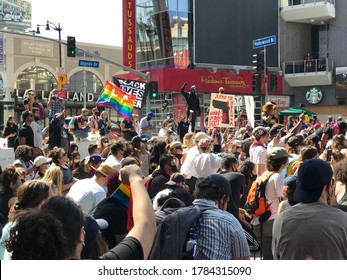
[[10, 131]]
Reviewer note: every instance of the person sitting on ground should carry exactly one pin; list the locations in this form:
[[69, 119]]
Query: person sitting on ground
[[60, 158], [117, 154], [30, 195], [37, 235], [41, 164], [88, 193], [10, 181], [229, 241], [24, 155], [54, 177]]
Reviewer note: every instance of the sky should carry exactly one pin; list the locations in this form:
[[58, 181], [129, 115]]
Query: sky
[[98, 22]]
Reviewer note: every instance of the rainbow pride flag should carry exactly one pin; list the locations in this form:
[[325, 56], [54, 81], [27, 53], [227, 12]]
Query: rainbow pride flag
[[122, 193], [114, 97]]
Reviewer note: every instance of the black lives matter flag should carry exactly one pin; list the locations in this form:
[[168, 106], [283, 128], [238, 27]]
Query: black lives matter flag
[[136, 88]]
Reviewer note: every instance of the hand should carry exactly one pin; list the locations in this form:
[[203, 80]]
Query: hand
[[185, 84], [243, 215], [129, 172]]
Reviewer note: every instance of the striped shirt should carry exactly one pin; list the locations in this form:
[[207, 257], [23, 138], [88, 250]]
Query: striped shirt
[[221, 236]]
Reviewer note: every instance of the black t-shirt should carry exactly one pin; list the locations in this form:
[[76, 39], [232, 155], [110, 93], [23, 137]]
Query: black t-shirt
[[9, 130], [129, 249], [27, 133], [111, 210]]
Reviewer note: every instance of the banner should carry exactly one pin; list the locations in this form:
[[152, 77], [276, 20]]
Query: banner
[[221, 110], [136, 88]]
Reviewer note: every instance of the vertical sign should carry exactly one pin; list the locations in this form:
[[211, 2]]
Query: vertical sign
[[129, 33], [1, 51], [221, 110]]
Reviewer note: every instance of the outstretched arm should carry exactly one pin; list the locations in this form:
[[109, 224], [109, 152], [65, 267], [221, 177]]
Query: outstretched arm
[[143, 214], [185, 94]]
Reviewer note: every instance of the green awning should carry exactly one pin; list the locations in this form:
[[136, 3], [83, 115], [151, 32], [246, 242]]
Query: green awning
[[294, 111]]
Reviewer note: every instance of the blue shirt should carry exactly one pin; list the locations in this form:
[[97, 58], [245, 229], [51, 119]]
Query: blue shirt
[[221, 236]]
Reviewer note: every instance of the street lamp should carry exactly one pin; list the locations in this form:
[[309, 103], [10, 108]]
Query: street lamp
[[50, 25]]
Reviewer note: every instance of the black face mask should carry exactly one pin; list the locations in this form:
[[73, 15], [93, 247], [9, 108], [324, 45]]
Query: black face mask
[[173, 168], [179, 156]]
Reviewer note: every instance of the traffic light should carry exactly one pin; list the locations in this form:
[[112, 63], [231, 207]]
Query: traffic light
[[273, 82], [71, 46], [153, 90], [259, 62], [256, 83]]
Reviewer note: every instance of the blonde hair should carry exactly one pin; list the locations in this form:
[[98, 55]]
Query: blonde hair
[[54, 177], [100, 143], [187, 139]]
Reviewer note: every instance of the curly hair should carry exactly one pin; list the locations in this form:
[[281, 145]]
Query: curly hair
[[70, 215], [55, 154], [37, 235], [204, 190], [275, 164], [8, 176], [22, 150]]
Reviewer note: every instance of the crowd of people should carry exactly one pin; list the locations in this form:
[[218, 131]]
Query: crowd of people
[[56, 205]]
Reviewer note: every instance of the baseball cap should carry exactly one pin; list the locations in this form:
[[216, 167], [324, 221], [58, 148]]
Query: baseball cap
[[193, 87], [150, 113], [260, 131], [96, 158], [176, 144], [278, 152], [205, 143], [220, 182], [275, 129], [295, 141], [136, 139], [92, 227], [201, 135], [175, 178], [237, 143], [41, 160], [313, 176]]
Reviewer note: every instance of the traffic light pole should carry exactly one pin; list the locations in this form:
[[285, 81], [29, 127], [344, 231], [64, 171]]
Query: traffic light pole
[[266, 78]]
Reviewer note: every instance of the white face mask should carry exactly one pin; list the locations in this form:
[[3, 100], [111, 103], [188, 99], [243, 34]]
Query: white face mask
[[340, 196]]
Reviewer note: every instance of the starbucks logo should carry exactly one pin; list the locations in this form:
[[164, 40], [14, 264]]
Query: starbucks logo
[[314, 95]]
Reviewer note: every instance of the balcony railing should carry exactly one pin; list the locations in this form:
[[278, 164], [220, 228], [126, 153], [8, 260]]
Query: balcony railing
[[288, 3], [308, 66]]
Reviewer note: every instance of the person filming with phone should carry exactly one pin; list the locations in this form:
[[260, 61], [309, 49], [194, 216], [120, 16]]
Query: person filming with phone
[[55, 103]]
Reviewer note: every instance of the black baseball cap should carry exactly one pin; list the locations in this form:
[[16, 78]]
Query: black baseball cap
[[313, 176]]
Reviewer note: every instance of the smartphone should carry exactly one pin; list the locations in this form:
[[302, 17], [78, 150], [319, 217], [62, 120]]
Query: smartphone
[[329, 154]]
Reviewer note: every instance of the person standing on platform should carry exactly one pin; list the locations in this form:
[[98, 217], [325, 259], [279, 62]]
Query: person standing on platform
[[193, 105]]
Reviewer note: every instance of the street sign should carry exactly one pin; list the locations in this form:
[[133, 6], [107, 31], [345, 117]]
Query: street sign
[[88, 63], [263, 42]]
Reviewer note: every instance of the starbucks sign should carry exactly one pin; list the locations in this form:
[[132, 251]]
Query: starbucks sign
[[314, 95]]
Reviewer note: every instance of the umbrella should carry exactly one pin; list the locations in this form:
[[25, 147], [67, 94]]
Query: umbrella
[[293, 111]]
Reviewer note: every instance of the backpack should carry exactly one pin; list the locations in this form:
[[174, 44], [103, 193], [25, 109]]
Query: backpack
[[256, 205], [172, 237]]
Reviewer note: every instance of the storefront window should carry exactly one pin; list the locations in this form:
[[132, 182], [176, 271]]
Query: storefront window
[[37, 78], [93, 83]]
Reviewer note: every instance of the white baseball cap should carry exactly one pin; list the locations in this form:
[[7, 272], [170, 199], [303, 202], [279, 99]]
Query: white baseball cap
[[41, 160]]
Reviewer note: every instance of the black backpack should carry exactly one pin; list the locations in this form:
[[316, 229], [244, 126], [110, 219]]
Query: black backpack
[[173, 234]]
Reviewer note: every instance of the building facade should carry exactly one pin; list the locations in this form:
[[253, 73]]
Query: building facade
[[30, 62], [210, 45]]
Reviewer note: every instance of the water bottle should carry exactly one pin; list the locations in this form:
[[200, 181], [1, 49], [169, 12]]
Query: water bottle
[[191, 245]]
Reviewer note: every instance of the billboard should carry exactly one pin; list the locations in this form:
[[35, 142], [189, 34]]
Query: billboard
[[225, 29], [15, 15]]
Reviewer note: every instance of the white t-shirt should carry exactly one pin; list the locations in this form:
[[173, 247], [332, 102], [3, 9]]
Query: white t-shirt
[[37, 134], [188, 166], [113, 162], [87, 193], [207, 164], [29, 176], [257, 154]]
